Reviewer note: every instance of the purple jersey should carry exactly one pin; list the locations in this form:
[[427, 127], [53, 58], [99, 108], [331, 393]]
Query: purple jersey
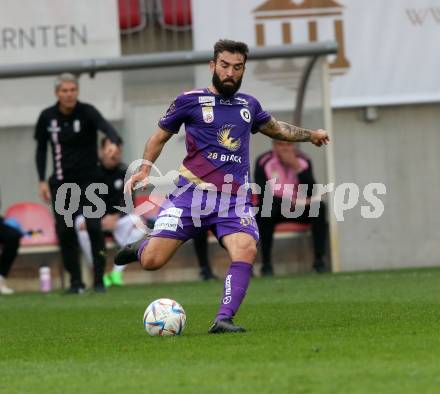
[[217, 135]]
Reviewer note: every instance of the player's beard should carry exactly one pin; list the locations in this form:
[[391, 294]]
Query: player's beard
[[225, 89]]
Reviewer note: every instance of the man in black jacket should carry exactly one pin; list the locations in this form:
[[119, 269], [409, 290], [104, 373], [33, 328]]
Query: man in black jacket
[[287, 165], [72, 127]]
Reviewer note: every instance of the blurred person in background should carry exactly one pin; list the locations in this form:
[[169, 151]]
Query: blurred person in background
[[201, 249], [285, 164], [9, 244], [71, 128], [122, 227]]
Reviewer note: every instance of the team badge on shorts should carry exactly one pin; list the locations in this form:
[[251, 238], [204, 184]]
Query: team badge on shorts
[[246, 221], [208, 114]]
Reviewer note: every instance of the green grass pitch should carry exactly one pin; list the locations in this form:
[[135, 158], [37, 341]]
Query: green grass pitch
[[343, 333]]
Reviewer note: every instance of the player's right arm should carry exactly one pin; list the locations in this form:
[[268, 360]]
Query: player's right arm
[[40, 159], [168, 125], [152, 151]]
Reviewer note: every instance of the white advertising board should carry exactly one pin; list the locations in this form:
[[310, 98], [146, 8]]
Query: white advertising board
[[34, 31], [388, 49]]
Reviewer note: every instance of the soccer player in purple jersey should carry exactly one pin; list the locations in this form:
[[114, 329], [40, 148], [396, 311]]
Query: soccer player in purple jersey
[[218, 122]]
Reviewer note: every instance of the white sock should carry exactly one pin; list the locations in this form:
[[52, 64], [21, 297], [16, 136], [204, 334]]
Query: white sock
[[126, 232], [118, 268], [84, 240]]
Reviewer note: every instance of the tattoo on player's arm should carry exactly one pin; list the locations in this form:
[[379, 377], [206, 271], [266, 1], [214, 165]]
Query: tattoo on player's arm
[[294, 133], [284, 131]]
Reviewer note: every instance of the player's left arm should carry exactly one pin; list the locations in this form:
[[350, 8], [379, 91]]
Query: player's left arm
[[286, 132]]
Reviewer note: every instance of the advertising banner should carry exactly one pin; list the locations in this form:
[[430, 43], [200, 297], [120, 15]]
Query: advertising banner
[[388, 50], [57, 30]]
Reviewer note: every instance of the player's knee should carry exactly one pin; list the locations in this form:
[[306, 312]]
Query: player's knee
[[248, 249], [151, 262]]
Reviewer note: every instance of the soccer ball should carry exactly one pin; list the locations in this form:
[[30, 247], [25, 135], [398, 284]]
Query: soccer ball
[[164, 317]]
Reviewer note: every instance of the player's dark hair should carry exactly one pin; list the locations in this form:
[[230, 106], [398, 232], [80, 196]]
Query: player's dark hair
[[230, 46], [106, 139]]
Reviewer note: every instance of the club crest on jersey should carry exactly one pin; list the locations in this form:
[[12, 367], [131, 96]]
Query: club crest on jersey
[[224, 138], [245, 114], [208, 114], [76, 126]]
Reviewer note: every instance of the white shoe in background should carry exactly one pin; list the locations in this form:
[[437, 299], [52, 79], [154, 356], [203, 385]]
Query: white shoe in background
[[5, 290]]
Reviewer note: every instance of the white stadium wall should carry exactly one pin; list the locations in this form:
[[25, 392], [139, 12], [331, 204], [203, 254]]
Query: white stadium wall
[[400, 149]]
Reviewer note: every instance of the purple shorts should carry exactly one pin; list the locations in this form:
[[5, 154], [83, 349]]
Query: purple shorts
[[186, 212]]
